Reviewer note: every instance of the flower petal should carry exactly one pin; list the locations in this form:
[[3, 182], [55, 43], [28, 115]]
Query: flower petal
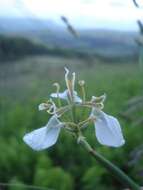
[[42, 106], [77, 99], [64, 95], [44, 137], [108, 131]]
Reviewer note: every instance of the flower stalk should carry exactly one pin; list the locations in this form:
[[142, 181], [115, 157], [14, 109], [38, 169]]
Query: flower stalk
[[122, 177]]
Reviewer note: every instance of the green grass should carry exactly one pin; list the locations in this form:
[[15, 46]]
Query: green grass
[[26, 83]]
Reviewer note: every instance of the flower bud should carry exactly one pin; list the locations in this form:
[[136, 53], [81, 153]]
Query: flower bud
[[81, 82]]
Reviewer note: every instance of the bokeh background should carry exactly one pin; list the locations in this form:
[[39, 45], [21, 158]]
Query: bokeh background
[[102, 41]]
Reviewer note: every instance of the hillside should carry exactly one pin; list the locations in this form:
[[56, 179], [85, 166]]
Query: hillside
[[16, 47], [106, 43]]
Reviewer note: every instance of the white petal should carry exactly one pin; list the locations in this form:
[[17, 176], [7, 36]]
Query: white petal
[[64, 95], [108, 131], [77, 99], [42, 106], [44, 137]]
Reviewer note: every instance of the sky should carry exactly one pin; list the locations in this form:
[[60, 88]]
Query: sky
[[116, 14]]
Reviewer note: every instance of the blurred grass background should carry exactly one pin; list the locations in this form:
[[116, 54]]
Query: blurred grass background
[[24, 84]]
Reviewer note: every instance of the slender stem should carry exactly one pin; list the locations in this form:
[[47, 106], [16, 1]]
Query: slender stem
[[59, 101], [74, 113], [124, 179], [83, 93]]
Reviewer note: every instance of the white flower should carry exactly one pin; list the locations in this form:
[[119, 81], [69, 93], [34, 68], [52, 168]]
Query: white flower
[[64, 95], [44, 137], [107, 129]]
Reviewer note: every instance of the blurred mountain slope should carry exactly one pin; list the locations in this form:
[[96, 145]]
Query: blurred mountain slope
[[107, 43]]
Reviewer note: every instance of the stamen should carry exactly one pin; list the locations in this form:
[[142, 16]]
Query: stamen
[[98, 99], [62, 110], [70, 84], [52, 108], [73, 81], [87, 121], [57, 91], [82, 83], [57, 86]]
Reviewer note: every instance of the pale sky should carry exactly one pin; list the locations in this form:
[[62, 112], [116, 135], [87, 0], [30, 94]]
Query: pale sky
[[83, 13]]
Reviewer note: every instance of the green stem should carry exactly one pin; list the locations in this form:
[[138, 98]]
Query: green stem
[[83, 93], [74, 113], [124, 179]]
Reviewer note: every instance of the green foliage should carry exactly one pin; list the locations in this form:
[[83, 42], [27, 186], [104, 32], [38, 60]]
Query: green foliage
[[43, 162], [55, 178], [94, 177], [16, 184]]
